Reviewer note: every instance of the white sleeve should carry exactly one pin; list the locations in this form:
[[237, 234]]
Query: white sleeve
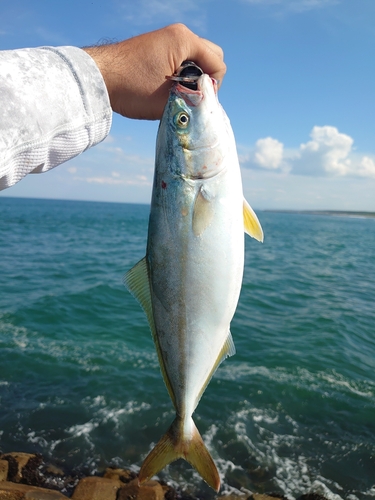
[[53, 106]]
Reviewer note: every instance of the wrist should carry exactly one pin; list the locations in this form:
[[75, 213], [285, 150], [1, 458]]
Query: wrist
[[102, 58]]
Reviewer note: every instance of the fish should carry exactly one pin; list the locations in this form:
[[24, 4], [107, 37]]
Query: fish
[[189, 282]]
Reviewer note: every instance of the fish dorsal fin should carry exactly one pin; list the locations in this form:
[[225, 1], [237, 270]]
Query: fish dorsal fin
[[203, 213], [137, 281], [251, 222]]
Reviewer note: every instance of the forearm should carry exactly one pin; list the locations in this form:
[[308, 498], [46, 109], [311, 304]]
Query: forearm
[[54, 105]]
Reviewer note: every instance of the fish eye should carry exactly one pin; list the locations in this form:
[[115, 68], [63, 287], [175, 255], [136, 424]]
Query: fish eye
[[182, 119]]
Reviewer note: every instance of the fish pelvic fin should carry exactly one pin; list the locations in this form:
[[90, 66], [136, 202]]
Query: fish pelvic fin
[[251, 223], [178, 443]]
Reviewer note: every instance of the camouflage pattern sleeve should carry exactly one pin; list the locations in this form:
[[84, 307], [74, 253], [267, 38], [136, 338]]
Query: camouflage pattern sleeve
[[53, 106]]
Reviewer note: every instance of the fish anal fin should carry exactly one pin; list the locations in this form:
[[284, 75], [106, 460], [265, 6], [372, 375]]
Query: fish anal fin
[[177, 443], [203, 213], [137, 282], [227, 350], [251, 223]]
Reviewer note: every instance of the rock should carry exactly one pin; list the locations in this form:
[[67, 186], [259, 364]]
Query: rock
[[4, 466], [123, 475], [312, 496], [262, 496], [169, 492], [149, 490], [235, 497], [22, 467], [97, 488], [17, 491], [56, 478], [55, 471], [44, 494]]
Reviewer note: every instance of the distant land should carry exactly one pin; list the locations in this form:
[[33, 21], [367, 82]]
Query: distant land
[[337, 213]]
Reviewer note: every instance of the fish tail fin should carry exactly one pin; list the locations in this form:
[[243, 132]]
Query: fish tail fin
[[180, 442]]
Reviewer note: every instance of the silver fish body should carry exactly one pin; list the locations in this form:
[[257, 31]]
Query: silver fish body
[[190, 280]]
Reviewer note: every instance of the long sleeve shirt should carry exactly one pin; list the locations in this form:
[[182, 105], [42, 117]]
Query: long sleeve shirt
[[53, 106]]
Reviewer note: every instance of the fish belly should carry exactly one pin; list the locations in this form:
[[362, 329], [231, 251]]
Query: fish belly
[[195, 282]]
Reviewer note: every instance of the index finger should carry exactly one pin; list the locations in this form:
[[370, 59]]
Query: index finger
[[209, 57]]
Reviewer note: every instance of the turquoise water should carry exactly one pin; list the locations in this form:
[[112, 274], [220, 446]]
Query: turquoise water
[[292, 412]]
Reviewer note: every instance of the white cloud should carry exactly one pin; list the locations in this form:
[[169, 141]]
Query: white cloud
[[138, 180], [126, 177], [268, 153], [123, 157], [165, 11], [101, 180], [328, 153], [112, 166], [294, 5], [109, 139], [366, 167]]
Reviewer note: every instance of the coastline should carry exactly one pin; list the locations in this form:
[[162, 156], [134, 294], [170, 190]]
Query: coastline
[[27, 476], [333, 213]]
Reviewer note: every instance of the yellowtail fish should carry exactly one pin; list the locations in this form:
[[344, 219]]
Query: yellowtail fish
[[190, 279]]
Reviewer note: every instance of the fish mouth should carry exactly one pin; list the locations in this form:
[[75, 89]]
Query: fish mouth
[[190, 96], [188, 81]]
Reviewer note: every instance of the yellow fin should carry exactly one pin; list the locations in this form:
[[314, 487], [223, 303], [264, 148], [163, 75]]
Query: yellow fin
[[176, 443], [251, 222], [137, 281], [203, 214]]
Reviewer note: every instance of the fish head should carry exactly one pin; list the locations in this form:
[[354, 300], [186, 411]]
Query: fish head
[[195, 130]]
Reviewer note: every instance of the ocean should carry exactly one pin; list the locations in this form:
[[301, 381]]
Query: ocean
[[292, 412]]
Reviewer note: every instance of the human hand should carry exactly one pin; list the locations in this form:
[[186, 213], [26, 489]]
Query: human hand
[[134, 70]]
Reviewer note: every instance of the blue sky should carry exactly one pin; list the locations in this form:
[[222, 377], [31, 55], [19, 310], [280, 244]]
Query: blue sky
[[299, 91]]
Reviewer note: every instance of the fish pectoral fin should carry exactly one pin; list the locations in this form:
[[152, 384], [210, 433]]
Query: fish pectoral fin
[[251, 222], [203, 213], [137, 281], [175, 444]]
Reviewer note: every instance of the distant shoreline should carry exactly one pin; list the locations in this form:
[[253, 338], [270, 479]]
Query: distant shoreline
[[335, 213]]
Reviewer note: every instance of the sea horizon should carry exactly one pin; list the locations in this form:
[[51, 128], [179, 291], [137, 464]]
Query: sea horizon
[[307, 211]]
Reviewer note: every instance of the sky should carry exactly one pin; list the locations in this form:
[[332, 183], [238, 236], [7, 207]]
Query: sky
[[299, 91]]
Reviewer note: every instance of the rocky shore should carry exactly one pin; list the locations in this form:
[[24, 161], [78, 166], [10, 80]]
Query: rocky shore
[[25, 476]]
